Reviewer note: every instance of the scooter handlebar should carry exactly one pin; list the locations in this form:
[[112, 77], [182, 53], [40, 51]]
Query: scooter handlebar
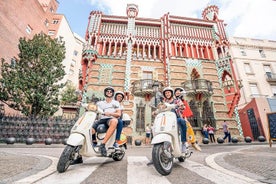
[[166, 107]]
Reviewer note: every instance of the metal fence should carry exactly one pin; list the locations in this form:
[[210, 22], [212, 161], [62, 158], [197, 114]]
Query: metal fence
[[23, 128]]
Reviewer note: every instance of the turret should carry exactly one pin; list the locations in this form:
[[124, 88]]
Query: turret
[[210, 13]]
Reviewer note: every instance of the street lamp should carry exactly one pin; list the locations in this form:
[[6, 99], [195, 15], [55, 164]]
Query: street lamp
[[155, 87]]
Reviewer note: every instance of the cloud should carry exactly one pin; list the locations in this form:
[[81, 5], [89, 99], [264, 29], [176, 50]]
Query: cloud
[[245, 18]]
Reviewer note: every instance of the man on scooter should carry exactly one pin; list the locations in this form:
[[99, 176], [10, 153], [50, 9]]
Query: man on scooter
[[168, 94], [110, 117], [187, 112]]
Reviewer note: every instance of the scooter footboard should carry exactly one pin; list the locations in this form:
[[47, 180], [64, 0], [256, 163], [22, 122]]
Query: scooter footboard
[[75, 139], [161, 138]]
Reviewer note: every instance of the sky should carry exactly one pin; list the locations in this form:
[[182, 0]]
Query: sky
[[244, 18]]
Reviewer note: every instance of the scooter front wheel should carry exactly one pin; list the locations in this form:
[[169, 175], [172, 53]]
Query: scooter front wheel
[[67, 156], [162, 158]]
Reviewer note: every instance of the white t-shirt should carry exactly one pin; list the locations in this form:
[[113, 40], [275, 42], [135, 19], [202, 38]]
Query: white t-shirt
[[108, 107]]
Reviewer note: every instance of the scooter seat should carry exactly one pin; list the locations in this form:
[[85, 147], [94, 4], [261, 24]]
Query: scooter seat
[[102, 128]]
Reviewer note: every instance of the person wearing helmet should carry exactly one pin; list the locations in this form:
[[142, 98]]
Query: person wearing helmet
[[112, 112], [168, 94], [187, 112], [119, 96]]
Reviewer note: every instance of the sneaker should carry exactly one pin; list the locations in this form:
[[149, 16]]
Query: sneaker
[[196, 146], [78, 160], [187, 145], [102, 149], [183, 148], [94, 144], [116, 145]]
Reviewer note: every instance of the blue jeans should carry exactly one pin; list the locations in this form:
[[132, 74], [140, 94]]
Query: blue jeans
[[227, 134], [119, 129], [205, 133], [182, 125]]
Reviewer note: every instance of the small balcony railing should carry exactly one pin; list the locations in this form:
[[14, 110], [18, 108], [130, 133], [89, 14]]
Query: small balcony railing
[[193, 87], [146, 87]]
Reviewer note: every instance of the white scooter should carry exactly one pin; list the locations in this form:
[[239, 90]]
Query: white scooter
[[79, 142], [166, 140]]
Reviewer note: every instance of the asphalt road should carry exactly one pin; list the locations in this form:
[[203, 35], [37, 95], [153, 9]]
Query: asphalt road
[[217, 163]]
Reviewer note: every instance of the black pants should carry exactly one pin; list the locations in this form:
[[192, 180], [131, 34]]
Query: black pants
[[212, 137]]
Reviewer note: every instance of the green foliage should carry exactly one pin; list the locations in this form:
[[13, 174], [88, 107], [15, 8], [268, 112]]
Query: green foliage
[[30, 84], [68, 96]]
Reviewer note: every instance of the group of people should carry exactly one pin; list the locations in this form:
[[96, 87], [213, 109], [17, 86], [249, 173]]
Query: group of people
[[182, 112], [112, 118], [209, 132]]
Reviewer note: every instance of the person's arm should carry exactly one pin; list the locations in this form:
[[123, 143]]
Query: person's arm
[[115, 114]]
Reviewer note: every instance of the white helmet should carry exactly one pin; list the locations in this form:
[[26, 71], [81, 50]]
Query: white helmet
[[182, 90], [121, 93], [168, 89]]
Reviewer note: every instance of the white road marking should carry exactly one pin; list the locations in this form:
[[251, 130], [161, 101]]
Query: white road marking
[[139, 173], [213, 175], [51, 169], [210, 160], [75, 173]]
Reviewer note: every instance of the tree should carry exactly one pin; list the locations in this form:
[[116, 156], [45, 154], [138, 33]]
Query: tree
[[68, 96], [31, 83]]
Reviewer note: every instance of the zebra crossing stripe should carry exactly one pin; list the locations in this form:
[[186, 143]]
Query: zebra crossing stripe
[[139, 173], [75, 173]]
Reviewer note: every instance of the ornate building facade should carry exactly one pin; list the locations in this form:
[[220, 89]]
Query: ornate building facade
[[140, 56]]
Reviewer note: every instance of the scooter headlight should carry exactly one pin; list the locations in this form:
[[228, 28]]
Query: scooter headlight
[[92, 107]]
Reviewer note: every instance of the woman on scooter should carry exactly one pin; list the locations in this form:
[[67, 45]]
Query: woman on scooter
[[110, 117], [187, 112], [168, 94]]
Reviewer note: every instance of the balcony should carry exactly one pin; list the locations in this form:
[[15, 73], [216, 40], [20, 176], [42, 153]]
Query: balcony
[[145, 87], [231, 83], [270, 77], [198, 86]]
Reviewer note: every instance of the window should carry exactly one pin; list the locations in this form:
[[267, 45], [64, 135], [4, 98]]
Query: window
[[147, 75], [262, 53], [73, 63], [247, 68], [254, 89], [268, 72], [52, 10], [55, 21], [46, 23], [29, 29], [243, 53], [71, 72], [273, 89], [147, 79], [75, 53], [51, 33]]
